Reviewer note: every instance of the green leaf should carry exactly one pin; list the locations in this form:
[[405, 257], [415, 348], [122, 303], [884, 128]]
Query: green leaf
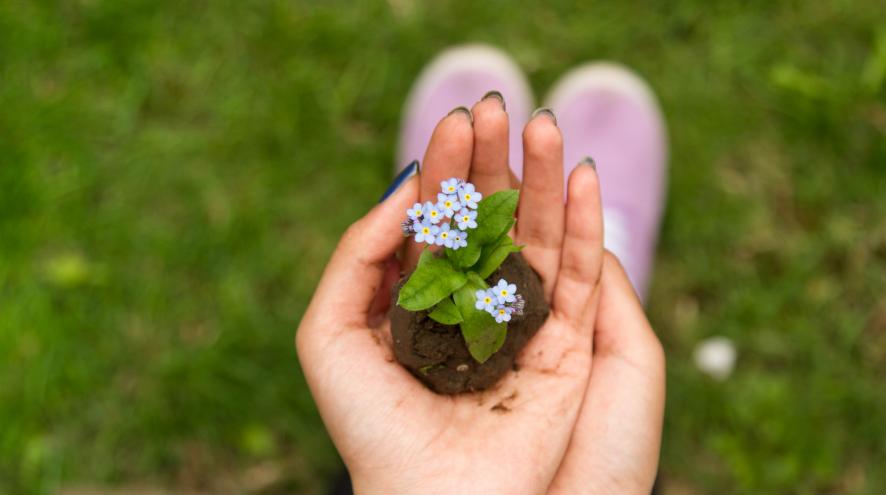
[[433, 280], [495, 217], [446, 313], [466, 256], [481, 333], [475, 279], [494, 255]]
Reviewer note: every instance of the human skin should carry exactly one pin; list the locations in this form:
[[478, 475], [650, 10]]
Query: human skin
[[582, 414]]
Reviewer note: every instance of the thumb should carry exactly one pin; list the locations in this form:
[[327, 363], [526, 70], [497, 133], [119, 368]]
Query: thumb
[[358, 265], [622, 328]]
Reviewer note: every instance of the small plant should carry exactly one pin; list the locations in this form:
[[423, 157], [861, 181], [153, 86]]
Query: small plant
[[474, 234]]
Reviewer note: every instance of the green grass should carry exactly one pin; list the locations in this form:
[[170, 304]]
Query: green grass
[[173, 176]]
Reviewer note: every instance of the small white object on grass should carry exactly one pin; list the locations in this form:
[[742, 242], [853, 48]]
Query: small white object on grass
[[715, 357]]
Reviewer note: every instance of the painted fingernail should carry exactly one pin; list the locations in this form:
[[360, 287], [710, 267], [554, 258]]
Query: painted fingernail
[[400, 179], [588, 161], [465, 111], [497, 95], [546, 112]]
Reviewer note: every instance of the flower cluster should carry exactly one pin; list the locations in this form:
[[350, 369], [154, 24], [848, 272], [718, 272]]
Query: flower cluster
[[445, 223], [500, 301]]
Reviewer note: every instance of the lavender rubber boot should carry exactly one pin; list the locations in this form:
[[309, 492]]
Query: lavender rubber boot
[[461, 76], [608, 113]]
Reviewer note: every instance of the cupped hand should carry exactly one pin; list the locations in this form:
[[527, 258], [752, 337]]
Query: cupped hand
[[614, 447], [395, 435], [616, 440]]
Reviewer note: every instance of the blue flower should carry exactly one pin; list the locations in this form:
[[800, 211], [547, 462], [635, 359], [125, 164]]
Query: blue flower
[[466, 219], [448, 204], [459, 239], [468, 195], [504, 291], [432, 213], [502, 314], [485, 301], [445, 236], [426, 231], [415, 212], [450, 186]]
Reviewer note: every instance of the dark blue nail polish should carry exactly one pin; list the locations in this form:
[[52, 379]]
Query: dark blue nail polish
[[401, 179]]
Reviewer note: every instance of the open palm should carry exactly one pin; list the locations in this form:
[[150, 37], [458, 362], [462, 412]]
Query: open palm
[[394, 434]]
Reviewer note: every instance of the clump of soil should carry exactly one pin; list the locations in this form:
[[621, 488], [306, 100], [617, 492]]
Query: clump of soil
[[437, 354]]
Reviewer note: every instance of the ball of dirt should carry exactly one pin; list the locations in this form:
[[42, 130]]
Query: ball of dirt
[[437, 354]]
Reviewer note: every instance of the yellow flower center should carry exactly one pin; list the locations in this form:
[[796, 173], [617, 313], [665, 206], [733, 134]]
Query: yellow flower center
[[468, 196], [448, 204], [487, 300], [504, 292], [444, 235], [501, 311], [433, 213], [450, 189], [425, 230]]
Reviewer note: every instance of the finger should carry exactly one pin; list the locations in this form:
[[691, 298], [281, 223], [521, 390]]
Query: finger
[[334, 328], [448, 155], [449, 152], [489, 166], [622, 327], [582, 254], [615, 444], [540, 214], [356, 270]]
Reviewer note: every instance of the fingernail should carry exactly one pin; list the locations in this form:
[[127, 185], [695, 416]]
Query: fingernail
[[400, 179], [588, 161], [497, 95], [547, 112], [465, 111]]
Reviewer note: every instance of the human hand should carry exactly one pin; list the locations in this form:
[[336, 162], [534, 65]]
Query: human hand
[[615, 443], [395, 435]]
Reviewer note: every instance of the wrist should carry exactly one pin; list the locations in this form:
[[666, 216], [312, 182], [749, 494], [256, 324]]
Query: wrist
[[404, 481], [375, 485]]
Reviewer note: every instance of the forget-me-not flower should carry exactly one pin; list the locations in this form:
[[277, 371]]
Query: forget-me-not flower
[[459, 239], [504, 291], [445, 236], [415, 212], [426, 231], [467, 219], [448, 204], [450, 186], [485, 300], [502, 313], [468, 195], [432, 213]]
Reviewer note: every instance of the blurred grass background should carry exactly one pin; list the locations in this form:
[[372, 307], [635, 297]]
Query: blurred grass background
[[173, 176]]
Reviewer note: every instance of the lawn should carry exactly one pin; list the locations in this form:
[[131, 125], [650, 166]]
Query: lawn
[[174, 175]]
